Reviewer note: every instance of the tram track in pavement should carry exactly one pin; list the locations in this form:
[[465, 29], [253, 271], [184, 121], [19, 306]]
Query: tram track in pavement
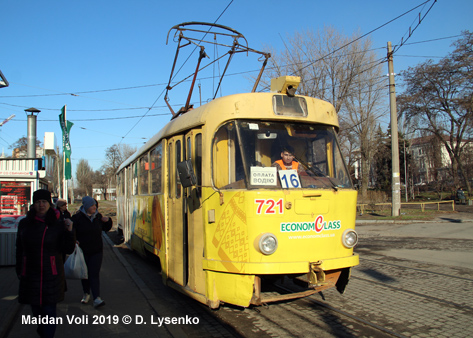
[[418, 269], [232, 321], [380, 329], [306, 317], [350, 315], [418, 294], [367, 272], [415, 293], [430, 313]]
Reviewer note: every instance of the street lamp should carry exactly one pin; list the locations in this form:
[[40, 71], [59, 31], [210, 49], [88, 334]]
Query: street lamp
[[31, 132]]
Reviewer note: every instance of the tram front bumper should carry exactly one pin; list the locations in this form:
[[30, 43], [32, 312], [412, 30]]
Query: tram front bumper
[[273, 268]]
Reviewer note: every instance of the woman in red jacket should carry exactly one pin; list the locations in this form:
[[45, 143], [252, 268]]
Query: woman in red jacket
[[42, 240]]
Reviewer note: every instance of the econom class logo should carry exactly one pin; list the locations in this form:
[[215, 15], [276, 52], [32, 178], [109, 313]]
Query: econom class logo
[[318, 225]]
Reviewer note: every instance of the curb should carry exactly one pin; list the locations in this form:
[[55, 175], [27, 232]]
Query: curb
[[8, 321], [174, 330]]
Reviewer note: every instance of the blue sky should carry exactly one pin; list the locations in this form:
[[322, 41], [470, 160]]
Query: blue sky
[[51, 49]]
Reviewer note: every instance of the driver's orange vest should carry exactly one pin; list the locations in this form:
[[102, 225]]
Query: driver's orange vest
[[294, 164]]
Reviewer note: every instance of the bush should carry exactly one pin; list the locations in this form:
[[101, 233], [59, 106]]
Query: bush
[[374, 196]]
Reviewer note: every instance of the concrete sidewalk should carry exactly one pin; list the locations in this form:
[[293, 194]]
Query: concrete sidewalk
[[127, 300]]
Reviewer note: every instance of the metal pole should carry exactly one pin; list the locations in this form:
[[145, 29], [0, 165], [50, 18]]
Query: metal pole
[[72, 191], [64, 184], [396, 180], [58, 173], [405, 169], [31, 138], [31, 131]]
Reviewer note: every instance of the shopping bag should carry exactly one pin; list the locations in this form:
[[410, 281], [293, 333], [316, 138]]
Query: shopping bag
[[75, 267]]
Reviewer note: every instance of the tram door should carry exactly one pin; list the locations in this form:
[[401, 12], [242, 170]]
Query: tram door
[[177, 229], [193, 214]]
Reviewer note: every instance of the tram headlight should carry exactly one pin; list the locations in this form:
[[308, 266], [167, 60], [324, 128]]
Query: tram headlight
[[268, 244], [349, 238]]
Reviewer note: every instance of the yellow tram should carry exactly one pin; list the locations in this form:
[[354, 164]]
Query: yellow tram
[[205, 197]]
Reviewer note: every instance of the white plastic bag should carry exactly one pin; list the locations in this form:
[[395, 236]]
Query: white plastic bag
[[75, 267]]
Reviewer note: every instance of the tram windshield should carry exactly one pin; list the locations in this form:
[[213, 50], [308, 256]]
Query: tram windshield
[[273, 155]]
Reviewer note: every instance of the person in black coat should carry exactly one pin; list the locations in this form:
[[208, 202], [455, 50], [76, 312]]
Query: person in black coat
[[42, 240], [61, 206], [89, 224]]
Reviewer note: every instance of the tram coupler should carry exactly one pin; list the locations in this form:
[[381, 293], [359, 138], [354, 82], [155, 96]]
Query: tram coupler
[[316, 275], [256, 299]]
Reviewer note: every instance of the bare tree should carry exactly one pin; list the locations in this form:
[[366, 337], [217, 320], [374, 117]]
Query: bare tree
[[57, 173], [344, 71], [439, 97], [363, 108], [325, 67], [115, 155], [21, 145], [102, 181], [85, 176]]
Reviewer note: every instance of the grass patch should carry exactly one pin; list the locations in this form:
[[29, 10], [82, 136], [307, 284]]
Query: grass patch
[[404, 214]]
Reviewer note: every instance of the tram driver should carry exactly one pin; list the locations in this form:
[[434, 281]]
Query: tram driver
[[287, 160]]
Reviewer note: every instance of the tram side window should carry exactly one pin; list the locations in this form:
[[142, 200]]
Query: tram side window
[[169, 170], [156, 169], [198, 159], [119, 185], [144, 173], [227, 164], [319, 151], [135, 178], [178, 159]]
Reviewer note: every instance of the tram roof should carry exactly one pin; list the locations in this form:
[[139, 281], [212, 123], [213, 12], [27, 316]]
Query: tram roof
[[237, 106]]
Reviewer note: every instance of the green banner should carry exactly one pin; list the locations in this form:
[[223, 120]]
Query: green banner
[[66, 145]]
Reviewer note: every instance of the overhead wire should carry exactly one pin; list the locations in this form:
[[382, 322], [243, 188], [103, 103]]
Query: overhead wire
[[133, 127], [366, 34], [233, 74], [203, 78], [403, 42], [195, 48], [372, 31], [411, 31], [77, 93]]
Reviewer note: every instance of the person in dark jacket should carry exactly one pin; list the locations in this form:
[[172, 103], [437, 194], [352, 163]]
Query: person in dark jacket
[[61, 206], [89, 224], [42, 240]]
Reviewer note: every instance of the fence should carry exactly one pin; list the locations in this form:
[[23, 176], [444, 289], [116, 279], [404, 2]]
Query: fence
[[361, 207]]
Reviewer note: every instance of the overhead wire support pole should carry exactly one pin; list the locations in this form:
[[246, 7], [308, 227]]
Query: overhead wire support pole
[[230, 57], [396, 179], [265, 62], [64, 181]]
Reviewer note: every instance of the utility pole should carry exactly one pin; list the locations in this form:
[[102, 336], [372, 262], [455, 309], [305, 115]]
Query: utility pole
[[64, 181], [405, 168], [58, 173], [396, 177]]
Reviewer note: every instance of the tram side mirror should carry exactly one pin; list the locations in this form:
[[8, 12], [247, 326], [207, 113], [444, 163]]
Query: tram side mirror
[[186, 174], [267, 136]]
